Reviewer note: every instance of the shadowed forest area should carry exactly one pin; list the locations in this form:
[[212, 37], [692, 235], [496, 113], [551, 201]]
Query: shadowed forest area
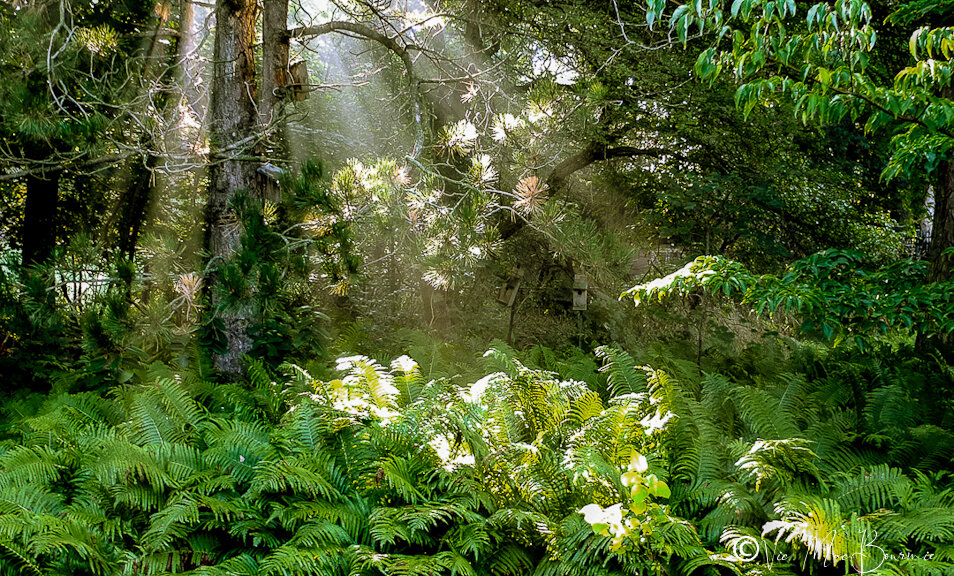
[[476, 288]]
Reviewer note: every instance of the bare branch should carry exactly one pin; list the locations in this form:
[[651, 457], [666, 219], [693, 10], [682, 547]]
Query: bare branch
[[95, 163], [596, 152], [361, 30]]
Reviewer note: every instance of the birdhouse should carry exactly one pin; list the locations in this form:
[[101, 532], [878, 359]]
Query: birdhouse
[[508, 292], [298, 79], [579, 291], [271, 177]]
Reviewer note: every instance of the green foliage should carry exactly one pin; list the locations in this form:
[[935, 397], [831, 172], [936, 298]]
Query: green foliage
[[674, 458], [835, 293], [825, 64], [644, 528], [293, 478], [785, 456], [34, 329], [384, 471], [73, 324], [283, 246]]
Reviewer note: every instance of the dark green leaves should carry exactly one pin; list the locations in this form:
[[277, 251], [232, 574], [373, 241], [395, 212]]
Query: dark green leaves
[[833, 292]]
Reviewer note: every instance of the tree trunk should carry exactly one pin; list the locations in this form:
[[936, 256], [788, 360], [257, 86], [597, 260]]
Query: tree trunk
[[942, 231], [232, 124], [275, 40], [271, 106], [39, 217], [185, 56], [135, 205], [942, 238]]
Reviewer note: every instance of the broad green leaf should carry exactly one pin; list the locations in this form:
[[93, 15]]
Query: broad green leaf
[[639, 493], [736, 5], [661, 489], [638, 463], [631, 479]]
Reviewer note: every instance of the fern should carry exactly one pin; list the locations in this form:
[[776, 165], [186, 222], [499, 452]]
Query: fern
[[872, 488], [783, 462], [385, 470], [622, 376], [408, 379]]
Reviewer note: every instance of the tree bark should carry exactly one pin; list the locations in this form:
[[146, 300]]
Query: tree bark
[[939, 263], [275, 41], [232, 124], [594, 152], [942, 230], [185, 56], [942, 238]]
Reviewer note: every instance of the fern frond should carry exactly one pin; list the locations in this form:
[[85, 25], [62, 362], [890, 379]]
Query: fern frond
[[408, 379], [501, 357], [401, 475], [172, 522], [923, 525], [20, 555], [24, 465], [795, 401], [269, 393], [290, 559], [622, 375], [783, 461], [237, 446], [890, 408], [872, 488], [296, 474], [367, 377], [827, 533], [762, 414]]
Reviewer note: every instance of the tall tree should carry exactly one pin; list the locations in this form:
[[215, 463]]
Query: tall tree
[[233, 134], [43, 125]]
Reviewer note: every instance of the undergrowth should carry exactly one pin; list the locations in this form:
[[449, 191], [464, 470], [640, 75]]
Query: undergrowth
[[828, 459]]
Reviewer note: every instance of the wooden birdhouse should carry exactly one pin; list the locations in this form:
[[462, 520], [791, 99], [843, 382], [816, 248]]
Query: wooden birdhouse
[[508, 292], [271, 176], [580, 285], [298, 79]]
